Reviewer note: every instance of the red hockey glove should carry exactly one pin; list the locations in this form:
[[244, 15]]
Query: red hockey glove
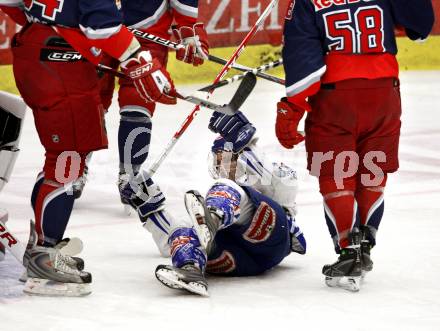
[[196, 44], [152, 81], [286, 127]]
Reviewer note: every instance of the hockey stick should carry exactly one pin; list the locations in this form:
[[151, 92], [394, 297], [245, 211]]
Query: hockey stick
[[260, 73], [241, 94], [219, 77], [15, 246], [240, 77], [176, 46], [73, 247]]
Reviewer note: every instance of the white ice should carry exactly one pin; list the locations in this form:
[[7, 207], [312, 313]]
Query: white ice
[[402, 292]]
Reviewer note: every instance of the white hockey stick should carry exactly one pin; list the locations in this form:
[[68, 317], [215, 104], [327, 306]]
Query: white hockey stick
[[176, 46], [15, 246], [219, 77], [199, 99], [73, 247]]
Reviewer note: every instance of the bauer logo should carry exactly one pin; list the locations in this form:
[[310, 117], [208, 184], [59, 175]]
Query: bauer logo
[[221, 265], [262, 224]]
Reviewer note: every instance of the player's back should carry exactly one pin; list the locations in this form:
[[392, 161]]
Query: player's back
[[352, 38]]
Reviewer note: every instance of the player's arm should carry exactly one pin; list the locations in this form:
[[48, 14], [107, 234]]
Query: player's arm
[[14, 9], [304, 65], [417, 17], [101, 23], [189, 32]]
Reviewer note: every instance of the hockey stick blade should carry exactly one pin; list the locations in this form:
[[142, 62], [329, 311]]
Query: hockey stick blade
[[243, 68], [203, 102], [246, 87]]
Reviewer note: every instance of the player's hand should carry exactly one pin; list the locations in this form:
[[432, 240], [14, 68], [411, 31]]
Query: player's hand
[[152, 81], [195, 40], [235, 129], [286, 127]]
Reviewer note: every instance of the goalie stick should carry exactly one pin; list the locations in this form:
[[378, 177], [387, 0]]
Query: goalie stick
[[73, 247], [235, 78], [240, 96], [173, 45], [153, 168], [11, 242]]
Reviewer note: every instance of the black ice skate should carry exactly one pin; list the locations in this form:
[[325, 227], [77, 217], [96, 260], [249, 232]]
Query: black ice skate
[[367, 263], [205, 224], [189, 278], [347, 270]]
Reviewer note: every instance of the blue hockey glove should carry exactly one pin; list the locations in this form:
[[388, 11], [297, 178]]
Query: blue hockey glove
[[236, 129]]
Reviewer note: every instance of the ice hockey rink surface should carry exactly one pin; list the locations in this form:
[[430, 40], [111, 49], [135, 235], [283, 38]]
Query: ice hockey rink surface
[[402, 292]]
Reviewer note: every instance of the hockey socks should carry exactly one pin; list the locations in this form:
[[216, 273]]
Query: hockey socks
[[52, 206], [341, 211], [371, 208], [134, 138]]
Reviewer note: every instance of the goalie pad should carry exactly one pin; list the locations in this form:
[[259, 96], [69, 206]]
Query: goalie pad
[[12, 111]]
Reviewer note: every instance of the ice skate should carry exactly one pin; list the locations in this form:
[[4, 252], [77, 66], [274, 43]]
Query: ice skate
[[367, 263], [123, 180], [50, 273], [189, 278], [347, 270], [69, 247], [204, 223], [141, 194]]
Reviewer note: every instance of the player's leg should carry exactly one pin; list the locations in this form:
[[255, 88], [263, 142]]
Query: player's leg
[[106, 88], [188, 263], [378, 151], [371, 205], [134, 135], [331, 148], [68, 99]]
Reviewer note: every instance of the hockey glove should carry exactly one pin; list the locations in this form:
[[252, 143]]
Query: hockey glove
[[195, 40], [235, 129], [152, 81], [286, 127], [143, 195]]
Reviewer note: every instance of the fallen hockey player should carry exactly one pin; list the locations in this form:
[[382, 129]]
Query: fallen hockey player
[[245, 226]]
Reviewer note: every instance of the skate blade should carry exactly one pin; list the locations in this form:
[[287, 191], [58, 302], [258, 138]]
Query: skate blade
[[46, 287], [171, 279], [352, 284]]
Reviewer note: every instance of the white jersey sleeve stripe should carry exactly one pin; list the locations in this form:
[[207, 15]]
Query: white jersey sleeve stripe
[[306, 82], [153, 19], [185, 9], [12, 3], [100, 33]]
